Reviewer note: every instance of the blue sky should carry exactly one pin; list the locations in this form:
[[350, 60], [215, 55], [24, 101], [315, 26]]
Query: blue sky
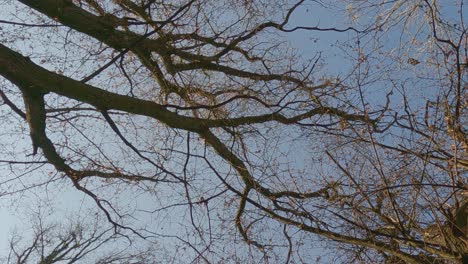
[[68, 202]]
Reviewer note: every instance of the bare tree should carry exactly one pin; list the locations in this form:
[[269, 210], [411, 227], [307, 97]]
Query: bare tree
[[79, 242], [193, 122]]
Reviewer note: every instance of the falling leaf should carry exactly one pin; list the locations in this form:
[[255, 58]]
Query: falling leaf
[[413, 61]]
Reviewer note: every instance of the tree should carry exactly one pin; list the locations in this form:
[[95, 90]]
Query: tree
[[79, 242], [193, 122]]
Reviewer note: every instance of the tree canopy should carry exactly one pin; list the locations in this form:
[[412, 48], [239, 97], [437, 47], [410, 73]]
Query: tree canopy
[[196, 133]]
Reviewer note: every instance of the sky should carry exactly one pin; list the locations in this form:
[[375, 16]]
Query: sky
[[66, 201]]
